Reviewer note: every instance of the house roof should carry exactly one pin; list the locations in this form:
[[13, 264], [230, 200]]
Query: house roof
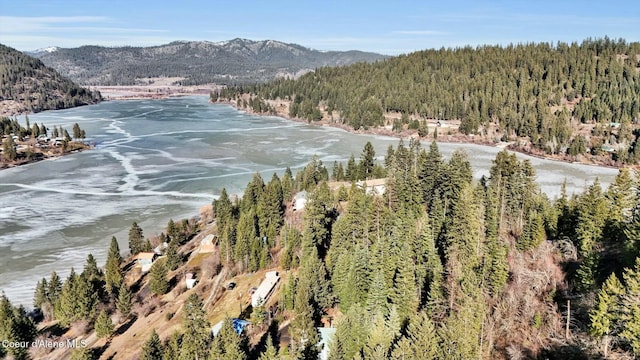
[[373, 182], [146, 256], [261, 294], [301, 195], [208, 239]]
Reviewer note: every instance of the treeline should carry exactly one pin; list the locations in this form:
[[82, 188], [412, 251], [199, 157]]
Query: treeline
[[542, 92], [11, 126], [32, 134], [28, 81]]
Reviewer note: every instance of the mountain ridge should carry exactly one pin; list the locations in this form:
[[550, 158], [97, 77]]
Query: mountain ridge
[[28, 85], [236, 61]]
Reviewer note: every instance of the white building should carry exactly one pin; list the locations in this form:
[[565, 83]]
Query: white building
[[190, 280], [300, 200], [265, 289], [145, 260]]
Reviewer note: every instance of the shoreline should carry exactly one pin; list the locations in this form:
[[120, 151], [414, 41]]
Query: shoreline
[[152, 92], [193, 211], [44, 156], [109, 93], [407, 134], [166, 91]]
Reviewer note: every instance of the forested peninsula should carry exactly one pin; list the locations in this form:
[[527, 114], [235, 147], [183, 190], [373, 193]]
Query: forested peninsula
[[575, 102], [28, 86], [24, 144], [433, 265]]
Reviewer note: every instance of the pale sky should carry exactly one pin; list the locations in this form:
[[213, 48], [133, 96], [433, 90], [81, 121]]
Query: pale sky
[[388, 27]]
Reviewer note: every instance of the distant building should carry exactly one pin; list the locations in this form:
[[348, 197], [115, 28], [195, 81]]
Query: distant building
[[300, 201], [145, 260], [373, 186], [261, 295], [326, 336], [208, 245]]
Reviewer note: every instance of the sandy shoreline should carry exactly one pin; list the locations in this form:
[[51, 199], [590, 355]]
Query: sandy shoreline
[[457, 138]]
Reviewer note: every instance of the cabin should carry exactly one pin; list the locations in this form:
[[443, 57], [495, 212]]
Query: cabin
[[373, 186], [326, 336], [208, 244], [300, 201], [145, 260], [264, 291]]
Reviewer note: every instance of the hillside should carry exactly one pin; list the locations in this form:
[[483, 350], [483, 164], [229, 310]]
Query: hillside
[[236, 61], [571, 101], [29, 86], [434, 265]]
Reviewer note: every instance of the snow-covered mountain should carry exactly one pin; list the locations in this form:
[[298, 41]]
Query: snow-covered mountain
[[197, 62]]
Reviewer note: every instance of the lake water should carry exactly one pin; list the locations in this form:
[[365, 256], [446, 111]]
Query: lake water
[[162, 159]]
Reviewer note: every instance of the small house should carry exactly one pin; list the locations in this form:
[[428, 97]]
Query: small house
[[207, 245], [190, 280], [145, 260], [300, 200], [373, 186], [264, 291]]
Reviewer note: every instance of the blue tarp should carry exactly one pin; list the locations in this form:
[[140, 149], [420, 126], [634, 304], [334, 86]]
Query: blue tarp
[[239, 325]]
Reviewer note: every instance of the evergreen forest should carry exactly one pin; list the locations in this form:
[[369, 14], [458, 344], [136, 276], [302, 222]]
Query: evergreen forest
[[577, 100], [438, 266], [26, 143], [35, 87]]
